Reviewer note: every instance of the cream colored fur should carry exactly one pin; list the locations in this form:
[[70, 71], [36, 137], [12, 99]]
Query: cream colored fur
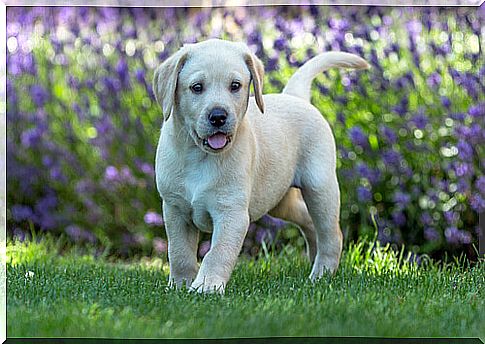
[[280, 160]]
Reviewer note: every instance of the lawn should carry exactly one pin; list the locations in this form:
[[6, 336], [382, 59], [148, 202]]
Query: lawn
[[376, 292]]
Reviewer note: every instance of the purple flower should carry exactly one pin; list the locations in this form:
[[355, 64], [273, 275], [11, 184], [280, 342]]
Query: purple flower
[[462, 169], [452, 235], [398, 218], [388, 133], [363, 194], [460, 116], [463, 185], [446, 102], [74, 232], [160, 245], [280, 44], [272, 222], [480, 185], [31, 137], [420, 120], [465, 151], [104, 127], [477, 134], [414, 27], [146, 168], [426, 218], [434, 80], [455, 236], [358, 137], [401, 199], [56, 174], [477, 202], [372, 175], [140, 76], [46, 203], [153, 218], [39, 95], [477, 110], [431, 234], [20, 235], [465, 237], [272, 64], [126, 176], [391, 157], [338, 24], [402, 107], [451, 217], [262, 234], [21, 212], [112, 85], [111, 173]]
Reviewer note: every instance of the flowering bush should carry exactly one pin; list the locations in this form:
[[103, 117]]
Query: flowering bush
[[82, 123]]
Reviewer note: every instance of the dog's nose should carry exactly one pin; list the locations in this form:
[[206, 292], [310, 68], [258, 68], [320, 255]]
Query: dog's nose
[[217, 117]]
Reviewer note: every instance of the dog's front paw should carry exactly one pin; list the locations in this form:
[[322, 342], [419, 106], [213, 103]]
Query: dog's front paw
[[323, 266], [208, 285]]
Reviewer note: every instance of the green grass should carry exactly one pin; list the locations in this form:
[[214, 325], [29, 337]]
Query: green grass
[[375, 293]]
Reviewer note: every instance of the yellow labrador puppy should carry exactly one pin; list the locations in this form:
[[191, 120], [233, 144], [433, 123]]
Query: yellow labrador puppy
[[225, 159]]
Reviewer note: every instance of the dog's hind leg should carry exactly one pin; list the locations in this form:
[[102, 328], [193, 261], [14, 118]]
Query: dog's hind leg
[[322, 197], [292, 208]]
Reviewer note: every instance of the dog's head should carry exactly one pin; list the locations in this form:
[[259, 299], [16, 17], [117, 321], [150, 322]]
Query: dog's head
[[206, 85]]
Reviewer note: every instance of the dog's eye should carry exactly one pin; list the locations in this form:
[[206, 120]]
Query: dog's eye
[[196, 88], [235, 86]]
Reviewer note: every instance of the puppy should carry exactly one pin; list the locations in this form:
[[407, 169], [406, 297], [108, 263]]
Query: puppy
[[225, 159]]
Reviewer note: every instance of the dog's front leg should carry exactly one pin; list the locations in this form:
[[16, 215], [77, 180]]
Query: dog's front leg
[[230, 229], [182, 246]]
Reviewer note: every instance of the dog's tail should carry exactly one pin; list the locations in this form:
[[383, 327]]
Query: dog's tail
[[300, 82]]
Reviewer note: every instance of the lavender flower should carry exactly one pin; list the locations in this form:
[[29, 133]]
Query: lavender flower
[[388, 134], [480, 185], [477, 110], [401, 199], [21, 212], [431, 234], [160, 245], [358, 137], [153, 218], [364, 194], [39, 95], [420, 120]]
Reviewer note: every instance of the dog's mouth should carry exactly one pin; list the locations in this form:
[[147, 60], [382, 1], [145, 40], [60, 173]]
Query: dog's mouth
[[217, 141]]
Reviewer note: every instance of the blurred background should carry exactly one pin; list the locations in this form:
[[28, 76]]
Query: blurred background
[[82, 122]]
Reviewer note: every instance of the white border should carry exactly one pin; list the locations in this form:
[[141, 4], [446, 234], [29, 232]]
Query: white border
[[234, 3], [149, 3], [3, 172]]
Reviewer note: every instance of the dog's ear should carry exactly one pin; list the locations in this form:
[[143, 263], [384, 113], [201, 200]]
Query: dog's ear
[[256, 69], [165, 81]]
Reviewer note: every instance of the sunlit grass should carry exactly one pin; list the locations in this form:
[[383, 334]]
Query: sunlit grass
[[376, 292]]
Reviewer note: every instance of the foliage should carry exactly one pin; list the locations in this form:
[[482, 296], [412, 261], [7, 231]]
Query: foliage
[[82, 123]]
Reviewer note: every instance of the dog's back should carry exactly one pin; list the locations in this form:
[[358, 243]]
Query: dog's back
[[289, 113]]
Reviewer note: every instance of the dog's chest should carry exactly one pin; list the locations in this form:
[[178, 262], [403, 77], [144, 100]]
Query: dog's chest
[[189, 190]]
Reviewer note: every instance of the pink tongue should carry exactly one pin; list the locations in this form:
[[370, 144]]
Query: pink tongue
[[217, 141]]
